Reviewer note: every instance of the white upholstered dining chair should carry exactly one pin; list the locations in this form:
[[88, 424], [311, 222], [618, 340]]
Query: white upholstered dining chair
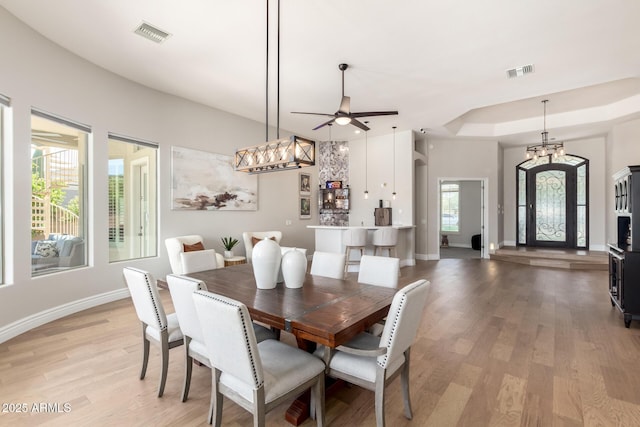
[[379, 271], [157, 326], [176, 246], [373, 362], [182, 289], [328, 264], [195, 261], [251, 237], [257, 376]]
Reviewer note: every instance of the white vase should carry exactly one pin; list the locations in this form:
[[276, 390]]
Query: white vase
[[294, 268], [228, 254], [265, 259]]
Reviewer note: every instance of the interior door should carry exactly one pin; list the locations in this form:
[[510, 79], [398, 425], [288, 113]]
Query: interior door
[[552, 207]]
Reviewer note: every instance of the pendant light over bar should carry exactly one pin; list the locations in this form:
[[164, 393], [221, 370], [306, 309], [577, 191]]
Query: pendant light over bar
[[283, 153]]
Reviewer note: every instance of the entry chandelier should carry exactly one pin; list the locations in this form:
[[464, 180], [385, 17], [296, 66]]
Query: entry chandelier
[[282, 153], [545, 148]]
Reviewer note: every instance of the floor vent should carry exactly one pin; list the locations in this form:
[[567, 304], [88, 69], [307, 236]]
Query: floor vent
[[152, 33], [520, 71]]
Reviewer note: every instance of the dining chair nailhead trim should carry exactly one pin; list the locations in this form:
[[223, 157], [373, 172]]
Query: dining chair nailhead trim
[[393, 331], [153, 300], [254, 371]]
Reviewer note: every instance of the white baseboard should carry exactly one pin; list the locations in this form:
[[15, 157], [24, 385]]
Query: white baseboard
[[460, 245], [407, 262], [507, 243], [23, 325]]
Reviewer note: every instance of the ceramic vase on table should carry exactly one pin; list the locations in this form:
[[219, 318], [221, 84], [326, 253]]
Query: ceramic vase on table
[[265, 258], [228, 254], [294, 268]]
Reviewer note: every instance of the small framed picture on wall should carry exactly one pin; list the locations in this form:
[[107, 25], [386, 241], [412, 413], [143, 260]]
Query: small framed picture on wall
[[305, 183], [305, 207]]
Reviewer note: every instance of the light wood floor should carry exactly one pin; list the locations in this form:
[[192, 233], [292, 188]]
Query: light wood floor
[[500, 345]]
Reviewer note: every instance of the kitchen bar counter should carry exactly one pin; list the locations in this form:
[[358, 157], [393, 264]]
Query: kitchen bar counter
[[329, 239]]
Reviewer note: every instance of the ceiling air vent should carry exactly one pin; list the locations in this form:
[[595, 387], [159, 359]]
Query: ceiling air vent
[[152, 33], [520, 71]]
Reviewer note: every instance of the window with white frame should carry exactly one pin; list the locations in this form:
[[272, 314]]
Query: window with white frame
[[132, 198], [58, 193], [449, 207]]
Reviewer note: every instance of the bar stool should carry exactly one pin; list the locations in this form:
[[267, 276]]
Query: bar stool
[[385, 238], [354, 239]]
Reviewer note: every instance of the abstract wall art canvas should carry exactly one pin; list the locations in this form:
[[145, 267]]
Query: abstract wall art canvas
[[208, 181]]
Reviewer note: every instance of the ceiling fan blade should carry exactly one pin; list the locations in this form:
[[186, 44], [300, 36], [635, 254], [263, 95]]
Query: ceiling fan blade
[[315, 114], [361, 125], [374, 113], [345, 105], [324, 124]]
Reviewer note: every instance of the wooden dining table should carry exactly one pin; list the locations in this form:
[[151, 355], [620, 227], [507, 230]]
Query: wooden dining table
[[323, 311]]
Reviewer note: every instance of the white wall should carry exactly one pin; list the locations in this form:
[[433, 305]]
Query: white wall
[[380, 178], [36, 73], [593, 149]]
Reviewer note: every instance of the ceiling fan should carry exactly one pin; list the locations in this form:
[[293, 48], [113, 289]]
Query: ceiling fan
[[344, 116]]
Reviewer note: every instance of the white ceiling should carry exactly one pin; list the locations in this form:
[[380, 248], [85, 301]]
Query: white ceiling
[[441, 64]]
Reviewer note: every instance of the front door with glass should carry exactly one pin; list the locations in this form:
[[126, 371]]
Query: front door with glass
[[552, 202]]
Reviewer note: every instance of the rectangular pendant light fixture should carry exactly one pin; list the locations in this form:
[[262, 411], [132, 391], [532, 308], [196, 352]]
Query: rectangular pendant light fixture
[[285, 153]]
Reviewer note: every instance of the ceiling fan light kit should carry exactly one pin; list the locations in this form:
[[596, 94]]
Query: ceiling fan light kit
[[344, 116]]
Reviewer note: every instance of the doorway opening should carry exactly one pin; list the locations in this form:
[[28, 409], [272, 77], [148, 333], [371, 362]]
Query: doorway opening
[[462, 218]]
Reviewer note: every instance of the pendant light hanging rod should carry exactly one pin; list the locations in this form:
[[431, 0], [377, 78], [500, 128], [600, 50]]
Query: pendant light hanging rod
[[277, 75], [366, 163], [393, 195], [291, 152], [278, 79], [266, 81]]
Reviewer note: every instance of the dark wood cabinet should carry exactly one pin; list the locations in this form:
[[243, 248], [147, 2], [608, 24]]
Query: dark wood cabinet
[[624, 254], [624, 282]]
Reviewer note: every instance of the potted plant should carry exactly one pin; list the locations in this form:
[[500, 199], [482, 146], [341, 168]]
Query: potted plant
[[229, 243]]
